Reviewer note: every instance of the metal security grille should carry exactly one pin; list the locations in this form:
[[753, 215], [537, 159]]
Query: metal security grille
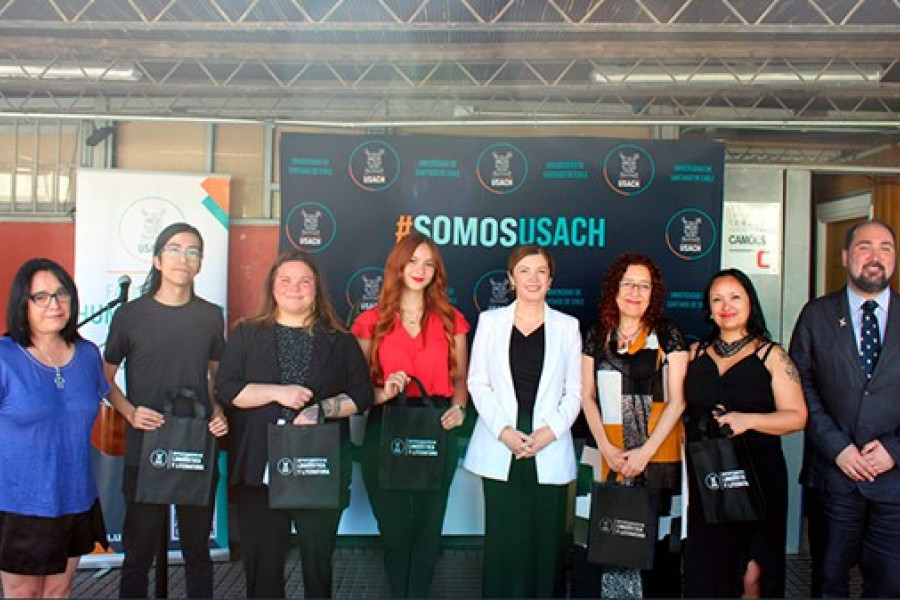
[[760, 72]]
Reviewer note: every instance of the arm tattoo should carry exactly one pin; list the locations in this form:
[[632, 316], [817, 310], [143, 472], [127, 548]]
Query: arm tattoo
[[790, 369], [331, 407]]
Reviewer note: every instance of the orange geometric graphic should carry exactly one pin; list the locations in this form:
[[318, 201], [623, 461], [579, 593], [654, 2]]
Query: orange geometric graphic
[[219, 189]]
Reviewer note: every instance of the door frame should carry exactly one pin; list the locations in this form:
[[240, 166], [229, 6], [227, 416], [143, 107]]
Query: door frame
[[852, 207]]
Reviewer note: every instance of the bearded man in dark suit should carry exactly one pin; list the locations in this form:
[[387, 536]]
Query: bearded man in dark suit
[[847, 348]]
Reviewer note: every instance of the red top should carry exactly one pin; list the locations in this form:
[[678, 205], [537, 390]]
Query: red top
[[427, 356]]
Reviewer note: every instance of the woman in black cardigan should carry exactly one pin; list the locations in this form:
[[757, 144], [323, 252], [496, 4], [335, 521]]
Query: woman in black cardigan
[[294, 353]]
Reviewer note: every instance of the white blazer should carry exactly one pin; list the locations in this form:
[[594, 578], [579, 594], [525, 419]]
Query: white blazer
[[557, 404]]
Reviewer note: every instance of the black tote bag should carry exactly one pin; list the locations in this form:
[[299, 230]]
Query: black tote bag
[[178, 458], [413, 447], [726, 480], [304, 464], [623, 524]]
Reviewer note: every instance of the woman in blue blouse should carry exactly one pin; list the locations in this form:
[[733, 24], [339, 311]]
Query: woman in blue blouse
[[51, 382]]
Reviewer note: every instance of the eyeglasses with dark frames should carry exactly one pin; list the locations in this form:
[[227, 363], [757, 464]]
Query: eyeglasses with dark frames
[[43, 299]]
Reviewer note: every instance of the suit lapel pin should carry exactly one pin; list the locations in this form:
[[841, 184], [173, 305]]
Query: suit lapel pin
[[842, 322]]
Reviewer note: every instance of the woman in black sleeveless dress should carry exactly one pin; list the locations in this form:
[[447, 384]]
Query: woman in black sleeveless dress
[[739, 369]]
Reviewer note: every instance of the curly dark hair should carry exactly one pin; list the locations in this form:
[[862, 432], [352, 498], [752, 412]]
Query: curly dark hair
[[608, 310], [756, 322]]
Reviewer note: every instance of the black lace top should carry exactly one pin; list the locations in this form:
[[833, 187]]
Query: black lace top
[[294, 353]]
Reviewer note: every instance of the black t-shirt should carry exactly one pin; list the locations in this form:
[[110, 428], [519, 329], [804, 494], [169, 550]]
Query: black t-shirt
[[164, 348]]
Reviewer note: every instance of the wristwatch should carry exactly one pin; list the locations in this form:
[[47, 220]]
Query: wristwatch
[[461, 408]]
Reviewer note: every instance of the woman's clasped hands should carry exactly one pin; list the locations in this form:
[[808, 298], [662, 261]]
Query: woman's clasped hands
[[523, 445], [629, 463]]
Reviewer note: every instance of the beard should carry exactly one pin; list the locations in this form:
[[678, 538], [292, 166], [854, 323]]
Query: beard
[[871, 284]]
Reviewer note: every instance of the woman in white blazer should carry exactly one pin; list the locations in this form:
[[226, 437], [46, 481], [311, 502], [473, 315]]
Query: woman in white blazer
[[525, 381]]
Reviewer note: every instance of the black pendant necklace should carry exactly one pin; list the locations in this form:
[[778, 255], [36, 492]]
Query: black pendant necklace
[[729, 349]]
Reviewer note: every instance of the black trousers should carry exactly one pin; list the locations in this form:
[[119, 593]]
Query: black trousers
[[145, 526], [265, 540], [864, 532], [524, 535], [409, 523], [816, 532]]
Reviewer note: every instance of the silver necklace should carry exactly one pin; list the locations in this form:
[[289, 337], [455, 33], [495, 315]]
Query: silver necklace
[[412, 317], [625, 341], [59, 380], [729, 349]]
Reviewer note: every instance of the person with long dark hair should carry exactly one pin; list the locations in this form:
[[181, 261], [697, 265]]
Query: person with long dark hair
[[633, 367], [749, 386], [51, 383], [169, 339], [294, 352], [413, 331], [525, 381]]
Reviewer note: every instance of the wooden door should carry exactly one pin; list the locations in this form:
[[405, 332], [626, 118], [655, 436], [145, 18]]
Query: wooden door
[[835, 233]]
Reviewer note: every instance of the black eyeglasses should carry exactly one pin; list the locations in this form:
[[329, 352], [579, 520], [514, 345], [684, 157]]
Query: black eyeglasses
[[43, 299]]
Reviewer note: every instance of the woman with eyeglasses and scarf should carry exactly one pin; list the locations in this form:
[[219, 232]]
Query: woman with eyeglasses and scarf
[[633, 367]]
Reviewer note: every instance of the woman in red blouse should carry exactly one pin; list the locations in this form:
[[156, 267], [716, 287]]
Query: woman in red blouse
[[414, 331]]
